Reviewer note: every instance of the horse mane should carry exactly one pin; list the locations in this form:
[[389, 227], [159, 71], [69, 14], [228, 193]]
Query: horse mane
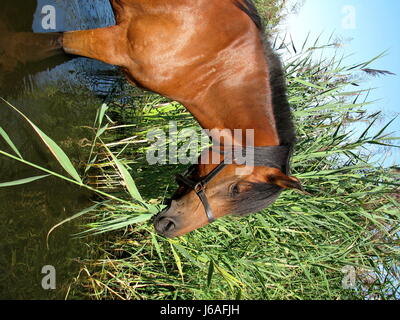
[[248, 7], [281, 107], [261, 195]]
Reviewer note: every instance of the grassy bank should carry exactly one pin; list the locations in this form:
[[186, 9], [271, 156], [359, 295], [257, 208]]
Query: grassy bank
[[303, 247]]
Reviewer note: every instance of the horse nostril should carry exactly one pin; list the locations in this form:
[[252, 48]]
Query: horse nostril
[[170, 226], [165, 225]]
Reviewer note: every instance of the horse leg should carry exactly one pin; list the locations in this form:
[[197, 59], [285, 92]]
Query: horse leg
[[104, 44]]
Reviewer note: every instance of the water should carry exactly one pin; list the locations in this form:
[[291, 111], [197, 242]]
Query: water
[[60, 94]]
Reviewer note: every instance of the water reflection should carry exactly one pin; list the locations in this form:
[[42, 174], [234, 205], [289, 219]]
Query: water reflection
[[60, 94]]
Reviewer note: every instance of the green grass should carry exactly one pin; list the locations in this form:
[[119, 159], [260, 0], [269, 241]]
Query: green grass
[[295, 249]]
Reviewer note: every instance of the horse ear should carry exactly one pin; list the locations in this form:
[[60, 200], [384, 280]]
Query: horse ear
[[286, 182]]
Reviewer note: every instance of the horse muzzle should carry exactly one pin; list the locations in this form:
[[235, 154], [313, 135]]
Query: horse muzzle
[[166, 224]]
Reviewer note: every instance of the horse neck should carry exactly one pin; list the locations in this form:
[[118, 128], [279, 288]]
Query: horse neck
[[243, 102]]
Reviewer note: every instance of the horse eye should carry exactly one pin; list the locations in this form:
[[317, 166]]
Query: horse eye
[[234, 190]]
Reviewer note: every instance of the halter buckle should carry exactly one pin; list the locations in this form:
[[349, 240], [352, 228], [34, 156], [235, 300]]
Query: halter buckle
[[199, 187]]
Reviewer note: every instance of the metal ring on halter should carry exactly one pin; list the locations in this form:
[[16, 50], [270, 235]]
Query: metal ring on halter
[[199, 188]]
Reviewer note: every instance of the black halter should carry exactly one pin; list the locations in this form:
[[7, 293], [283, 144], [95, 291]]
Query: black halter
[[270, 156]]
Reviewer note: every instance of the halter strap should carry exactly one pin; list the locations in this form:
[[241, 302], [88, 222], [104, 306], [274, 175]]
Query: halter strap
[[199, 188], [271, 156]]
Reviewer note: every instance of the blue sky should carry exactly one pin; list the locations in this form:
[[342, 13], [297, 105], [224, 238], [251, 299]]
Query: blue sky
[[368, 27]]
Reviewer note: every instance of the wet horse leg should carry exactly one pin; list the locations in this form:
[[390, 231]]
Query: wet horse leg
[[102, 44]]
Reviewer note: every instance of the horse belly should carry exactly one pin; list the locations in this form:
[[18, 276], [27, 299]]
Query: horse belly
[[163, 53]]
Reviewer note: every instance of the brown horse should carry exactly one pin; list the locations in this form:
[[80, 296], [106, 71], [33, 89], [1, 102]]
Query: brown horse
[[211, 57]]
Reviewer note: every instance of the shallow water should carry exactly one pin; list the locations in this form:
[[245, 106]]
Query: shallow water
[[60, 94]]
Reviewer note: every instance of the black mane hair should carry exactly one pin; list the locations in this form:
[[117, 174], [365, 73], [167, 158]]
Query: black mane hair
[[282, 113], [250, 9], [257, 198], [261, 195]]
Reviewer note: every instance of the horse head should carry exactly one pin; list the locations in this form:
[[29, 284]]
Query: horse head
[[210, 191]]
